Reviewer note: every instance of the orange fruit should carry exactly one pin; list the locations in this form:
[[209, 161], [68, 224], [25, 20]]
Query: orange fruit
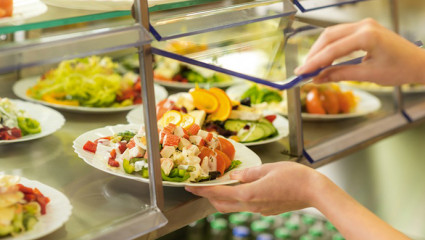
[[225, 105], [187, 121], [173, 116], [204, 100]]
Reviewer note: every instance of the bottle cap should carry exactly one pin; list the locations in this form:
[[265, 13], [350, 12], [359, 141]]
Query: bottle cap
[[265, 236], [259, 226], [238, 219], [307, 237], [269, 219], [291, 225], [330, 226], [219, 224], [286, 215], [282, 233], [337, 236], [308, 219], [241, 231], [315, 231]]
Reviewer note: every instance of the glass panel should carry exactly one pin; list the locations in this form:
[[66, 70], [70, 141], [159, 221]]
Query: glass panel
[[255, 52], [214, 16], [37, 14], [14, 56], [34, 14], [310, 5]]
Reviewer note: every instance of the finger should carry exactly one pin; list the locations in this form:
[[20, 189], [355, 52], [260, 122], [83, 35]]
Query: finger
[[248, 174], [216, 192], [330, 35], [359, 72], [334, 51]]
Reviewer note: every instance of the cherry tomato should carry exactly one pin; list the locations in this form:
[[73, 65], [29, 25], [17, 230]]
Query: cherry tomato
[[313, 103], [329, 99]]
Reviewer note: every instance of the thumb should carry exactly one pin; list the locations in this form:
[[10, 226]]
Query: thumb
[[247, 174], [343, 73]]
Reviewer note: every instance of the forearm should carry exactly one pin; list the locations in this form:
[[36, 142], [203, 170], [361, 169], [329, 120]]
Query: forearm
[[354, 221]]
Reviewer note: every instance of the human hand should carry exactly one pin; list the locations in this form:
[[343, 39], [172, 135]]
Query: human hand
[[390, 59], [268, 189]]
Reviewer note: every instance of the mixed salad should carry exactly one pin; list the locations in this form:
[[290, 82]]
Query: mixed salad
[[188, 154], [167, 69], [14, 122], [90, 82], [215, 112], [20, 206], [315, 99]]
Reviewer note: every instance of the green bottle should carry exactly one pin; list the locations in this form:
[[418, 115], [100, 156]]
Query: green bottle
[[218, 229]]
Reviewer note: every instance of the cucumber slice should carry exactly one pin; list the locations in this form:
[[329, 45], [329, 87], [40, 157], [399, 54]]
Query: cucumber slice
[[255, 133], [234, 125], [269, 125]]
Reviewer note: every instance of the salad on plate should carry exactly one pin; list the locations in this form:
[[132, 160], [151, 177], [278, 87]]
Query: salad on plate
[[213, 111], [324, 99], [15, 122], [88, 82], [172, 73], [20, 206], [188, 154]]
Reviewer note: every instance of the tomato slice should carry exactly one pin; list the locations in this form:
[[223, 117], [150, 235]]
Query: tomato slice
[[227, 147], [90, 146]]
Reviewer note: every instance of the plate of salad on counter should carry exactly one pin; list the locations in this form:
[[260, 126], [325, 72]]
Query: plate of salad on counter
[[213, 110], [91, 84], [171, 73], [30, 209], [188, 155], [23, 121], [318, 102]]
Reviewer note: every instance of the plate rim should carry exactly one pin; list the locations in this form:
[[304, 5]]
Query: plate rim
[[78, 150], [19, 91], [60, 121], [62, 202]]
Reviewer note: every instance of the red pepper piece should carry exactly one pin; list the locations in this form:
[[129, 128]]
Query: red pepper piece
[[90, 146], [25, 190], [271, 118]]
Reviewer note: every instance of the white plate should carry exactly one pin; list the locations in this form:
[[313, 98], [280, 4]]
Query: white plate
[[24, 9], [244, 154], [376, 89], [135, 116], [49, 119], [367, 104], [186, 86], [20, 88], [57, 212], [102, 5]]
